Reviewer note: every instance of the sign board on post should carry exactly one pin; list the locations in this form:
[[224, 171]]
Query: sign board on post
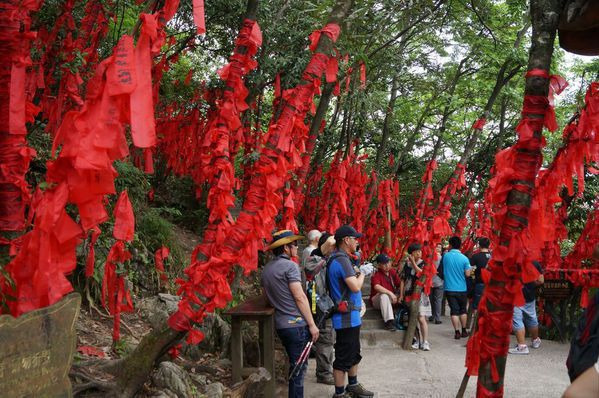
[[37, 350], [555, 289]]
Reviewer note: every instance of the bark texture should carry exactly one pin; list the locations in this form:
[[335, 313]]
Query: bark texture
[[545, 16]]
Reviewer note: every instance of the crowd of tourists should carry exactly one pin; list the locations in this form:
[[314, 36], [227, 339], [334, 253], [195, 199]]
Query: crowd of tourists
[[326, 281]]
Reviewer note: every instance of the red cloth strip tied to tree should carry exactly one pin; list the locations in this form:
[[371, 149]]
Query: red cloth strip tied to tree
[[516, 169], [207, 285], [82, 174], [16, 108], [223, 135]]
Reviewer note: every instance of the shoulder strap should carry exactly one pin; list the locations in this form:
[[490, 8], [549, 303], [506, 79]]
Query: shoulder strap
[[345, 294]]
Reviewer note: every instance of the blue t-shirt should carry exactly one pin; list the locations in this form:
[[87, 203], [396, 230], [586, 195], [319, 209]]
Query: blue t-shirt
[[340, 267], [454, 265]]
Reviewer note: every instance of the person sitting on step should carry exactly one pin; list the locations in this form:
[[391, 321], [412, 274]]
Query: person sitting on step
[[385, 286]]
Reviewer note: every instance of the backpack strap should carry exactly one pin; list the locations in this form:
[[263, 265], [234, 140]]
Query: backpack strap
[[346, 292]]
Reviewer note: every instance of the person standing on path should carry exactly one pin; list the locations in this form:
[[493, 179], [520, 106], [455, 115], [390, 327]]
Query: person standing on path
[[455, 269], [479, 262], [283, 289], [385, 284], [345, 284], [316, 274], [412, 270], [313, 237], [437, 290], [526, 315]]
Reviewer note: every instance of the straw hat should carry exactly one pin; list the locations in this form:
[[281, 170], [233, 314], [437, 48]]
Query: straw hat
[[283, 237]]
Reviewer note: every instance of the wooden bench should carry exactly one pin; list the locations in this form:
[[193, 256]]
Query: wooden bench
[[253, 309]]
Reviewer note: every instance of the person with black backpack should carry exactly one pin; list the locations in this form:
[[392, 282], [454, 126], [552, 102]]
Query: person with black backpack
[[315, 268]]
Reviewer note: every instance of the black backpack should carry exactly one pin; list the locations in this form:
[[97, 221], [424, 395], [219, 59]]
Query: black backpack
[[584, 349]]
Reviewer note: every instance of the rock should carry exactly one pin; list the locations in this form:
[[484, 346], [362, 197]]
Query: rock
[[166, 393], [171, 302], [199, 380], [157, 309], [224, 363], [217, 334], [256, 383], [172, 377], [214, 390]]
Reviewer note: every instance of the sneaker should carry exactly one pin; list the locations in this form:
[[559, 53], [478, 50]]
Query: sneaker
[[465, 333], [389, 325], [519, 350], [457, 335], [416, 345], [426, 346], [328, 380], [430, 318], [358, 391], [344, 395], [536, 343], [438, 322]]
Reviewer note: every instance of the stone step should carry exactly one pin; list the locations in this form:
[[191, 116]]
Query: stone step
[[381, 338], [372, 323]]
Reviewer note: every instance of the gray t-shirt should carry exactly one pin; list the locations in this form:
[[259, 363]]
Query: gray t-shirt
[[276, 277]]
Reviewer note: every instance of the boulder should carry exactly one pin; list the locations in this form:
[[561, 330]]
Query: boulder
[[217, 333], [214, 390], [256, 383], [172, 377]]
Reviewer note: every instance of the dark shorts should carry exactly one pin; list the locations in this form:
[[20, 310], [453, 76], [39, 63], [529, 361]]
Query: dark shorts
[[457, 302], [347, 348]]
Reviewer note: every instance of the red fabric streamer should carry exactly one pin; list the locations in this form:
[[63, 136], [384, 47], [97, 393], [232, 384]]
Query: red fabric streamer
[[159, 257], [479, 124], [124, 219], [198, 16], [362, 75], [209, 279]]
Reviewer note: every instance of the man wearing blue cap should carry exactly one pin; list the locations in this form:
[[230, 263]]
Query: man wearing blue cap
[[345, 284], [283, 288]]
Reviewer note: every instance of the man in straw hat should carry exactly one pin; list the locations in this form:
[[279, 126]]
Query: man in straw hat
[[282, 285]]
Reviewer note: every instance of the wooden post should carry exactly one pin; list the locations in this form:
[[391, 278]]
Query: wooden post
[[236, 348], [268, 354]]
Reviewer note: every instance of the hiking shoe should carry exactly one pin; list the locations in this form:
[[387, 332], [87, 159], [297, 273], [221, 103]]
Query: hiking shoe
[[519, 350], [389, 325], [457, 335], [358, 390], [328, 380], [465, 333], [536, 343], [425, 346], [344, 395]]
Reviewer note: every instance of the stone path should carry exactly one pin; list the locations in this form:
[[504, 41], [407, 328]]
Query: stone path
[[393, 373]]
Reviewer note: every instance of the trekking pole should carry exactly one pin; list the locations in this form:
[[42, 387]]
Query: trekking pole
[[306, 351], [300, 361]]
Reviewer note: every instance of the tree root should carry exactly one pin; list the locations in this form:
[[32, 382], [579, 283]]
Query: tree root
[[90, 383]]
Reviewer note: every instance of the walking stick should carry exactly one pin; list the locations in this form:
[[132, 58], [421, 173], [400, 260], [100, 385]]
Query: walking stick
[[306, 351], [301, 360]]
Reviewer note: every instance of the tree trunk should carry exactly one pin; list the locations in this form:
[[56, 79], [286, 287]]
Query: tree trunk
[[403, 154], [413, 316], [388, 117], [528, 157], [133, 371]]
